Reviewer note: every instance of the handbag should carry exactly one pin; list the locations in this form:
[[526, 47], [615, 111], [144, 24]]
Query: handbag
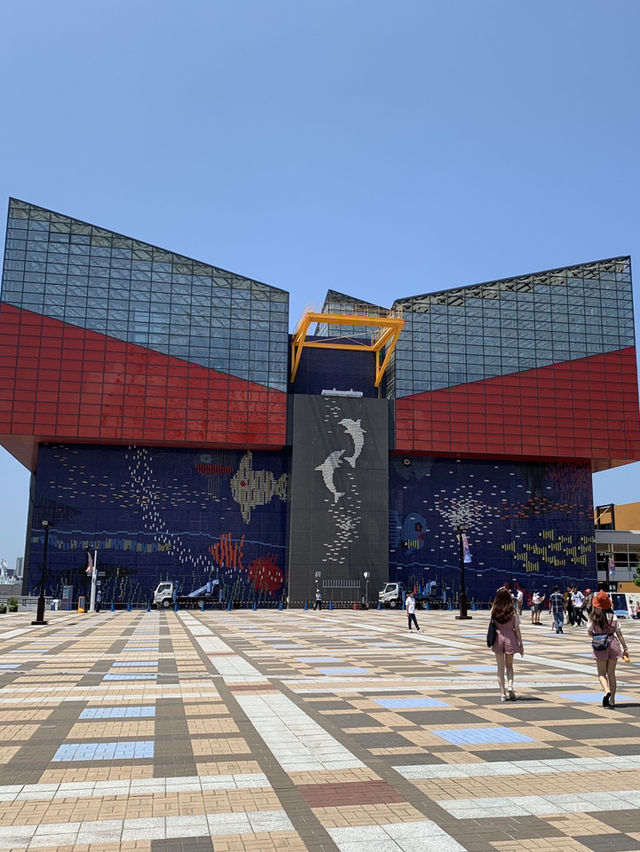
[[492, 634], [600, 641]]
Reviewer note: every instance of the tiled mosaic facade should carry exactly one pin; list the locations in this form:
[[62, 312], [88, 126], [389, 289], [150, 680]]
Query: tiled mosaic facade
[[524, 522], [162, 513]]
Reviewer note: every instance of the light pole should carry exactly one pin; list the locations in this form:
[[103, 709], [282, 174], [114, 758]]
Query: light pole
[[367, 574], [40, 610], [463, 588]]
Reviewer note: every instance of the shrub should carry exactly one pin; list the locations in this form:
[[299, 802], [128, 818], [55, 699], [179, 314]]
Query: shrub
[[3, 608], [13, 604]]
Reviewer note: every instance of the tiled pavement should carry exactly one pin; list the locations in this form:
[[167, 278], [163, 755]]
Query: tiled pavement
[[297, 730]]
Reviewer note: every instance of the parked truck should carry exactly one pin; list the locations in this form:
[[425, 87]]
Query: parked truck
[[167, 593], [393, 595]]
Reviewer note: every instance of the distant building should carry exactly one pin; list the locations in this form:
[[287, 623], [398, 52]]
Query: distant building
[[172, 422], [618, 545]]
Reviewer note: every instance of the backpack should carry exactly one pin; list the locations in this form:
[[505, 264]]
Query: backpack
[[492, 634]]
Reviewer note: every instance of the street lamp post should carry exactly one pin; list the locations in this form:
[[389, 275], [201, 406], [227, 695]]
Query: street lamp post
[[367, 574], [40, 610], [463, 588]]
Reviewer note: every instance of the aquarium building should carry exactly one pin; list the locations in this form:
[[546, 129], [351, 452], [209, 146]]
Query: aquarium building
[[172, 422]]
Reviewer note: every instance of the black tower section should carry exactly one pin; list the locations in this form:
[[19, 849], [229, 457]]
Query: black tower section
[[339, 498]]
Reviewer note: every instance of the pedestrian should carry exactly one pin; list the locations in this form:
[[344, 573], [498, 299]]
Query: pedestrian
[[568, 606], [520, 601], [608, 644], [98, 600], [536, 607], [318, 603], [508, 641], [587, 606], [410, 603], [557, 609], [577, 602]]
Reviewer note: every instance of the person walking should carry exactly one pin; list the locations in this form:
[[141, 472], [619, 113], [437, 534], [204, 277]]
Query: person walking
[[568, 606], [536, 607], [508, 641], [557, 609], [318, 603], [410, 603], [608, 645], [577, 601]]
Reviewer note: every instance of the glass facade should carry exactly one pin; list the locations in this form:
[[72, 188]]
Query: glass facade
[[473, 333], [67, 270]]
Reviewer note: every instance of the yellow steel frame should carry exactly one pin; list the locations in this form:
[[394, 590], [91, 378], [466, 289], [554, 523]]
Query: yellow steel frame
[[390, 328]]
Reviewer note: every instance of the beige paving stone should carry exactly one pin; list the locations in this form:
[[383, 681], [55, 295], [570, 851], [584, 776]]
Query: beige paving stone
[[211, 708], [539, 843], [584, 751], [7, 753], [25, 715], [212, 726], [10, 733], [367, 814], [342, 776], [397, 750], [458, 756], [96, 773], [231, 745], [578, 824], [94, 729], [227, 767]]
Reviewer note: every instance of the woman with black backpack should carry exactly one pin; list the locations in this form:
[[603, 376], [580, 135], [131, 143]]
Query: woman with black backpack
[[608, 644]]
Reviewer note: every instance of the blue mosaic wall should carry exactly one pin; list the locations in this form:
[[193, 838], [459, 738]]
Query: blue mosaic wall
[[532, 523], [161, 514]]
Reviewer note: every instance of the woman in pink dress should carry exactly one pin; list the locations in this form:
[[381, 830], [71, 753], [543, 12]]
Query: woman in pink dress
[[508, 640], [604, 628]]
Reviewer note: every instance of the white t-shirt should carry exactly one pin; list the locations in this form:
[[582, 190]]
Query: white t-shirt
[[410, 602]]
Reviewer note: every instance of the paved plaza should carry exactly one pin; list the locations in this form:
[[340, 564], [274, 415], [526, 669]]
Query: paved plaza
[[293, 730]]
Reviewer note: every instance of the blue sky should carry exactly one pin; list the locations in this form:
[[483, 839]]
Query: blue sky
[[380, 149]]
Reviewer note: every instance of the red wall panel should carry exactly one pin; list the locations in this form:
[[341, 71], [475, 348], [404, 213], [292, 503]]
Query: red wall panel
[[583, 409], [104, 389]]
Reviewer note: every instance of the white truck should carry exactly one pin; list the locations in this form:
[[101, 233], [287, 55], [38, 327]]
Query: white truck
[[393, 595], [167, 593]]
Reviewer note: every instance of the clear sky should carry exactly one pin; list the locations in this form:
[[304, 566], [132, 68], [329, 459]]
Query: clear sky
[[382, 149]]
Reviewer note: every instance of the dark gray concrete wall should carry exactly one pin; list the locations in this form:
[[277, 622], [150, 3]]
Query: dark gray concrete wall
[[339, 498]]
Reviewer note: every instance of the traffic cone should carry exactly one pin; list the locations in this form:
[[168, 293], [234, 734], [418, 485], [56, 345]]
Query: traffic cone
[[229, 606], [379, 605], [306, 605], [201, 606], [149, 607], [355, 606], [330, 604], [255, 605]]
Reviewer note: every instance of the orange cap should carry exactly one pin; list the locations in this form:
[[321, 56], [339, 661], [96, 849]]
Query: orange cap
[[602, 600]]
